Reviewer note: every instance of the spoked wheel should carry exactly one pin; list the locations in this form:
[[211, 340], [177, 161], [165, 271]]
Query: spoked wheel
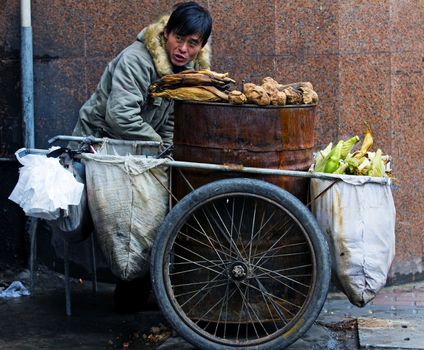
[[240, 263]]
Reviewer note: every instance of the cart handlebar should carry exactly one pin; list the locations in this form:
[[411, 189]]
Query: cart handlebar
[[92, 140]]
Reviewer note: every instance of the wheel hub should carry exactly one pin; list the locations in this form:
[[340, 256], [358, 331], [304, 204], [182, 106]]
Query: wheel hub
[[238, 271]]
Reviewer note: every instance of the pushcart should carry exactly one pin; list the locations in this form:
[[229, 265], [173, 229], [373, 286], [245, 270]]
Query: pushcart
[[238, 263]]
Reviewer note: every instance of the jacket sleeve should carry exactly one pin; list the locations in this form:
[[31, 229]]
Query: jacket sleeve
[[167, 129], [129, 88]]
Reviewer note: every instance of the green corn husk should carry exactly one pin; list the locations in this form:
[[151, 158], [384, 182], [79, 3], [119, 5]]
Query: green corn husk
[[334, 158], [377, 166], [348, 145], [352, 162], [342, 168], [322, 158]]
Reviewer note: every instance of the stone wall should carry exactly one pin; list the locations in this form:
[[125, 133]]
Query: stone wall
[[364, 58]]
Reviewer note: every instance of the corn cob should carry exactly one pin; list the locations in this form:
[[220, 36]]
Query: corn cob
[[322, 157], [334, 158], [377, 166], [342, 168], [352, 162], [200, 93], [348, 145], [366, 144], [190, 78], [363, 167]]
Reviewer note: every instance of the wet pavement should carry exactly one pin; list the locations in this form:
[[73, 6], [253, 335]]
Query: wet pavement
[[393, 320]]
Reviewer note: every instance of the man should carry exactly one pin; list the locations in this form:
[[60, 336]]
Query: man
[[120, 108]]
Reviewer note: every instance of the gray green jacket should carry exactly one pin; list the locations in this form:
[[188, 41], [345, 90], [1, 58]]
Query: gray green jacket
[[120, 108]]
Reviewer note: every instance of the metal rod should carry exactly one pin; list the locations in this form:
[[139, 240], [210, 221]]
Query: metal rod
[[91, 139], [32, 230], [27, 75], [23, 152], [243, 169], [93, 263], [262, 171], [67, 278]]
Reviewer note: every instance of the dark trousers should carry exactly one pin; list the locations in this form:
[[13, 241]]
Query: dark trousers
[[132, 296]]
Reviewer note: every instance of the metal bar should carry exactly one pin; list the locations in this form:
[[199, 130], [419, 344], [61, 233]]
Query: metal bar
[[32, 230], [67, 278], [93, 263], [27, 75], [243, 169], [91, 139], [24, 151], [263, 171]]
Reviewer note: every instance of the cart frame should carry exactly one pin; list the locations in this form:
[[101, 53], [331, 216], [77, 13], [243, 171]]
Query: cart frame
[[288, 320]]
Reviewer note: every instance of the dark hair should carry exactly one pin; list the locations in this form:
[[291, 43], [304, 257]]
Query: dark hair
[[190, 18]]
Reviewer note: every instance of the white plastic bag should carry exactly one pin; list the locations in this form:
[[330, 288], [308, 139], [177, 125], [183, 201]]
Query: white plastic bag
[[44, 186], [15, 290], [358, 215]]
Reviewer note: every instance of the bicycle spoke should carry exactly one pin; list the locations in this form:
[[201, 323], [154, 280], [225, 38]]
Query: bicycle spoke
[[251, 233], [203, 233], [283, 246], [247, 304], [197, 292], [214, 305], [208, 238], [272, 296], [278, 240], [261, 228], [204, 244], [197, 283], [276, 306], [196, 263], [269, 310], [225, 232], [292, 268], [288, 286]]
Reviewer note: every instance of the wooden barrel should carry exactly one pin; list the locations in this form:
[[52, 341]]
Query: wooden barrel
[[244, 135]]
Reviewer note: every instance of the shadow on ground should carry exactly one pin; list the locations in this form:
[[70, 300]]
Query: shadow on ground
[[39, 321]]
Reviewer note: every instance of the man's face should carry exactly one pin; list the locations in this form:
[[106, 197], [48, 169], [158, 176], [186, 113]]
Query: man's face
[[182, 49]]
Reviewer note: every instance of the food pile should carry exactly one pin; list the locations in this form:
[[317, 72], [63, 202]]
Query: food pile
[[206, 85], [270, 92], [340, 159], [190, 85]]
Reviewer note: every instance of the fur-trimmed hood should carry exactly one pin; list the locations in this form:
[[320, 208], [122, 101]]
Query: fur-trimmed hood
[[154, 40]]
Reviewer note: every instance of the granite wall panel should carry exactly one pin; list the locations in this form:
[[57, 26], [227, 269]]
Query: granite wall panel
[[308, 28], [407, 29], [9, 29], [408, 143], [58, 29], [243, 28], [13, 247], [58, 97], [10, 116], [241, 68], [322, 72], [364, 26], [365, 97]]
